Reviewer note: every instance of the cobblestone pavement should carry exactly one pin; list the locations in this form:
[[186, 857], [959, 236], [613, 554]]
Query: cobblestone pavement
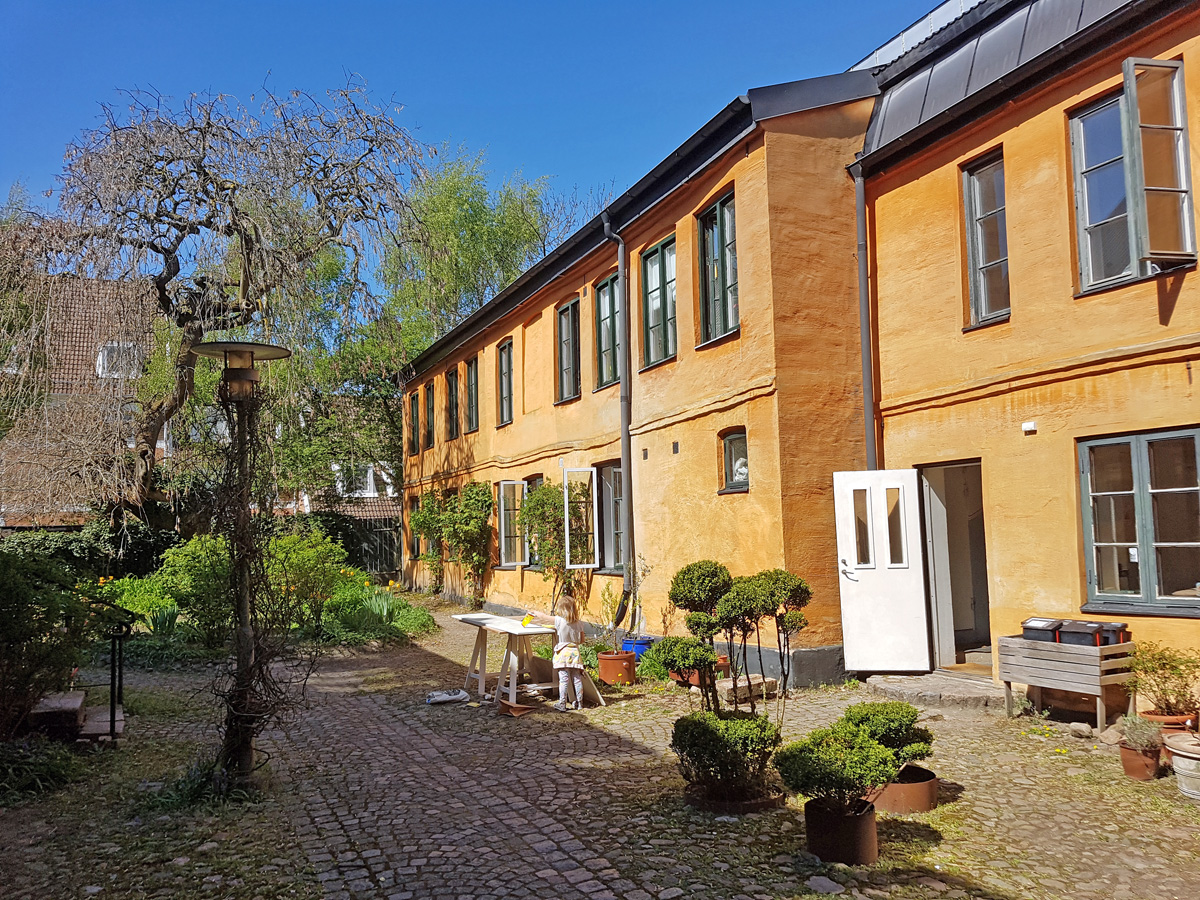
[[394, 799]]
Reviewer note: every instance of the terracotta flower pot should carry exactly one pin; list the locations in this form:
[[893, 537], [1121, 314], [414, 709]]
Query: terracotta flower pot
[[694, 677], [914, 790], [1140, 765], [616, 666], [839, 835], [1171, 724]]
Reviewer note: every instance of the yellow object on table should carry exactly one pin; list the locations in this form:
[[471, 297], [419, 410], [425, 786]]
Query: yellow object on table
[[525, 621]]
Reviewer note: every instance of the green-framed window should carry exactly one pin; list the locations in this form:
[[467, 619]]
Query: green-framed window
[[1132, 177], [1141, 518], [429, 415], [608, 337], [414, 424], [473, 394], [718, 270], [987, 239], [504, 383], [452, 403], [567, 316], [658, 302]]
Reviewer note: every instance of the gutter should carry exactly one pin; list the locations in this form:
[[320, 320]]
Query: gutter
[[864, 319], [623, 358]]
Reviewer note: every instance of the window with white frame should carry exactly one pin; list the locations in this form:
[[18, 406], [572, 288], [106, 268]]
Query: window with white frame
[[532, 483], [987, 239], [1141, 515], [1132, 177], [514, 549], [580, 517], [119, 359], [612, 500], [356, 480]]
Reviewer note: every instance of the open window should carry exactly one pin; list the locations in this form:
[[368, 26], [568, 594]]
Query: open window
[[514, 548], [580, 516]]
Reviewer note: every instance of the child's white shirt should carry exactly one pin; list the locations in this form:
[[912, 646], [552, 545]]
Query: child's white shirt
[[568, 632]]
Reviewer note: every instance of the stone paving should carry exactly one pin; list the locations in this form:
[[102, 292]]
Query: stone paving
[[391, 798]]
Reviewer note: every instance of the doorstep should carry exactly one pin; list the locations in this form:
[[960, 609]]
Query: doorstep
[[939, 689]]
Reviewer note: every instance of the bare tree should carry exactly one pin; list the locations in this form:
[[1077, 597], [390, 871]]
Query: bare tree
[[224, 212]]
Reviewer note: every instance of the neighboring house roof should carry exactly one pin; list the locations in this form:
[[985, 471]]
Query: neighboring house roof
[[86, 316], [720, 134], [993, 52], [381, 507]]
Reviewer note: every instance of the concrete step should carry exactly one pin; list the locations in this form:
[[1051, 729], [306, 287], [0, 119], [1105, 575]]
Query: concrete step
[[938, 690], [981, 656], [96, 723], [59, 716]]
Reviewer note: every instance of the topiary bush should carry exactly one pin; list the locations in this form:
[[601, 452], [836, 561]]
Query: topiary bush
[[686, 655], [699, 586], [725, 755], [836, 765], [894, 725]]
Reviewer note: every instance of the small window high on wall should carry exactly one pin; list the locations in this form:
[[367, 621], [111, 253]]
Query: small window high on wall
[[735, 461]]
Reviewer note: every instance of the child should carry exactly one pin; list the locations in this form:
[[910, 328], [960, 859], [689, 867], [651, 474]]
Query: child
[[566, 650]]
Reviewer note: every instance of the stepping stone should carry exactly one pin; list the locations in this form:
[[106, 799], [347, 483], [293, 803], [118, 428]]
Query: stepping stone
[[823, 885]]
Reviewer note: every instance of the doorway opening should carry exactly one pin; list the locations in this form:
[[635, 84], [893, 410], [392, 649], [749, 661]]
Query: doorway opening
[[956, 566]]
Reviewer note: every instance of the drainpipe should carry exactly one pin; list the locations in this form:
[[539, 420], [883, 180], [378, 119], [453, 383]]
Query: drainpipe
[[626, 405], [864, 319]]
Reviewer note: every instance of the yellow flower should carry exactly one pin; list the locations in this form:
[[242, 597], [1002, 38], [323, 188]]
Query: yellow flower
[[366, 583]]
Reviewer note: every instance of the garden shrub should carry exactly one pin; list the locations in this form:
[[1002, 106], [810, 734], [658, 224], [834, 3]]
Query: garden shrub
[[307, 566], [44, 629], [1169, 679], [699, 586], [836, 765], [356, 615], [143, 596], [33, 766], [894, 724], [99, 548], [651, 666], [725, 754], [196, 576]]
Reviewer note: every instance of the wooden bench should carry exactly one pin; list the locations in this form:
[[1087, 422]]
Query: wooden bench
[[1065, 667]]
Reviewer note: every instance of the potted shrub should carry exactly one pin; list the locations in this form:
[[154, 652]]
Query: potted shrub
[[725, 757], [697, 588], [695, 663], [634, 641], [613, 666], [835, 768], [894, 725], [1141, 748], [1167, 678]]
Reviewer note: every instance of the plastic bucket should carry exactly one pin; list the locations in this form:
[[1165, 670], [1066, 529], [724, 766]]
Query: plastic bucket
[[636, 646]]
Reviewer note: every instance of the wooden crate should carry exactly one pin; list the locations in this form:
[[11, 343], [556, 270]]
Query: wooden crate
[[1067, 667]]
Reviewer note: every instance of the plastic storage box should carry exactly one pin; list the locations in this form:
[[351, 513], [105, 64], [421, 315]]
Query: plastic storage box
[[1087, 634], [1036, 629], [1113, 633]]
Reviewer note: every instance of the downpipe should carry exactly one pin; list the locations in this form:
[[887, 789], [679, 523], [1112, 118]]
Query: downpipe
[[623, 359]]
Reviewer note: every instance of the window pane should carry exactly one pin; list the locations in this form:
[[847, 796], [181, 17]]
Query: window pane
[[1155, 95], [1105, 189], [1102, 135], [895, 527], [1172, 463], [1176, 517], [669, 300], [989, 183], [1114, 519], [1178, 570], [1160, 157], [994, 284], [580, 519], [1112, 468], [737, 467], [862, 528], [993, 240], [1116, 571], [1109, 249], [1165, 211]]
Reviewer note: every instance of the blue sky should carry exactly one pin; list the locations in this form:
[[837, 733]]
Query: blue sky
[[586, 92]]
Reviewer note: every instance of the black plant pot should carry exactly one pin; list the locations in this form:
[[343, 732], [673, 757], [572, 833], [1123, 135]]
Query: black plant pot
[[837, 834]]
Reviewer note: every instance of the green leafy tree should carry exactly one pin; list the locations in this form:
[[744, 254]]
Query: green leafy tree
[[197, 577], [467, 531], [427, 520]]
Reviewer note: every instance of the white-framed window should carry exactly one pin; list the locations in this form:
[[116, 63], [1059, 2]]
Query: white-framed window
[[1141, 517], [1132, 177], [356, 480], [580, 516], [987, 239], [119, 359], [612, 500], [514, 548]]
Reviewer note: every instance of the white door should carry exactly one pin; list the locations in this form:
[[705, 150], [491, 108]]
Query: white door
[[885, 620]]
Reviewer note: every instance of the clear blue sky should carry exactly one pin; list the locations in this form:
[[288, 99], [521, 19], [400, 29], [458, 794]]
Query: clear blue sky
[[586, 92]]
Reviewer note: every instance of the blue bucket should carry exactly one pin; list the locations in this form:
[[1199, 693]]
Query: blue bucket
[[637, 645]]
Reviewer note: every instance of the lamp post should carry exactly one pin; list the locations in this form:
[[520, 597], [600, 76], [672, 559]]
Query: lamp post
[[239, 388]]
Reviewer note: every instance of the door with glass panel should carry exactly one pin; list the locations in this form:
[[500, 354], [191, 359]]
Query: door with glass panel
[[881, 571]]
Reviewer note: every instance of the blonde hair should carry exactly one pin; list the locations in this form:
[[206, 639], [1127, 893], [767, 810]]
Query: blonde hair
[[568, 606]]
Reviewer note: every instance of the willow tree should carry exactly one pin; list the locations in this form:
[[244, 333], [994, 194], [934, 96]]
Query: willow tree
[[226, 213]]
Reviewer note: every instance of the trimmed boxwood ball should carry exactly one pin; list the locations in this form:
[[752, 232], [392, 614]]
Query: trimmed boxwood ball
[[836, 765], [698, 586], [725, 755], [684, 655], [894, 724]]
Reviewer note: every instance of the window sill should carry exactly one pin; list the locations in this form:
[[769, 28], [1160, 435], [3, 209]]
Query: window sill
[[610, 571], [661, 362], [735, 489], [1135, 279], [605, 386], [720, 339], [987, 323], [474, 430], [565, 400], [1126, 608], [504, 424]]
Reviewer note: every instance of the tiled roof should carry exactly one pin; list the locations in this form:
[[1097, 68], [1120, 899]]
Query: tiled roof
[[86, 315]]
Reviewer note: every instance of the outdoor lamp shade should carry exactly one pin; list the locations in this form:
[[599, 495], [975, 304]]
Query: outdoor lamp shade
[[239, 377]]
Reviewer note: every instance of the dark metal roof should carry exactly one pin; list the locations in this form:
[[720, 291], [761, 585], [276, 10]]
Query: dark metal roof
[[993, 52], [716, 137]]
